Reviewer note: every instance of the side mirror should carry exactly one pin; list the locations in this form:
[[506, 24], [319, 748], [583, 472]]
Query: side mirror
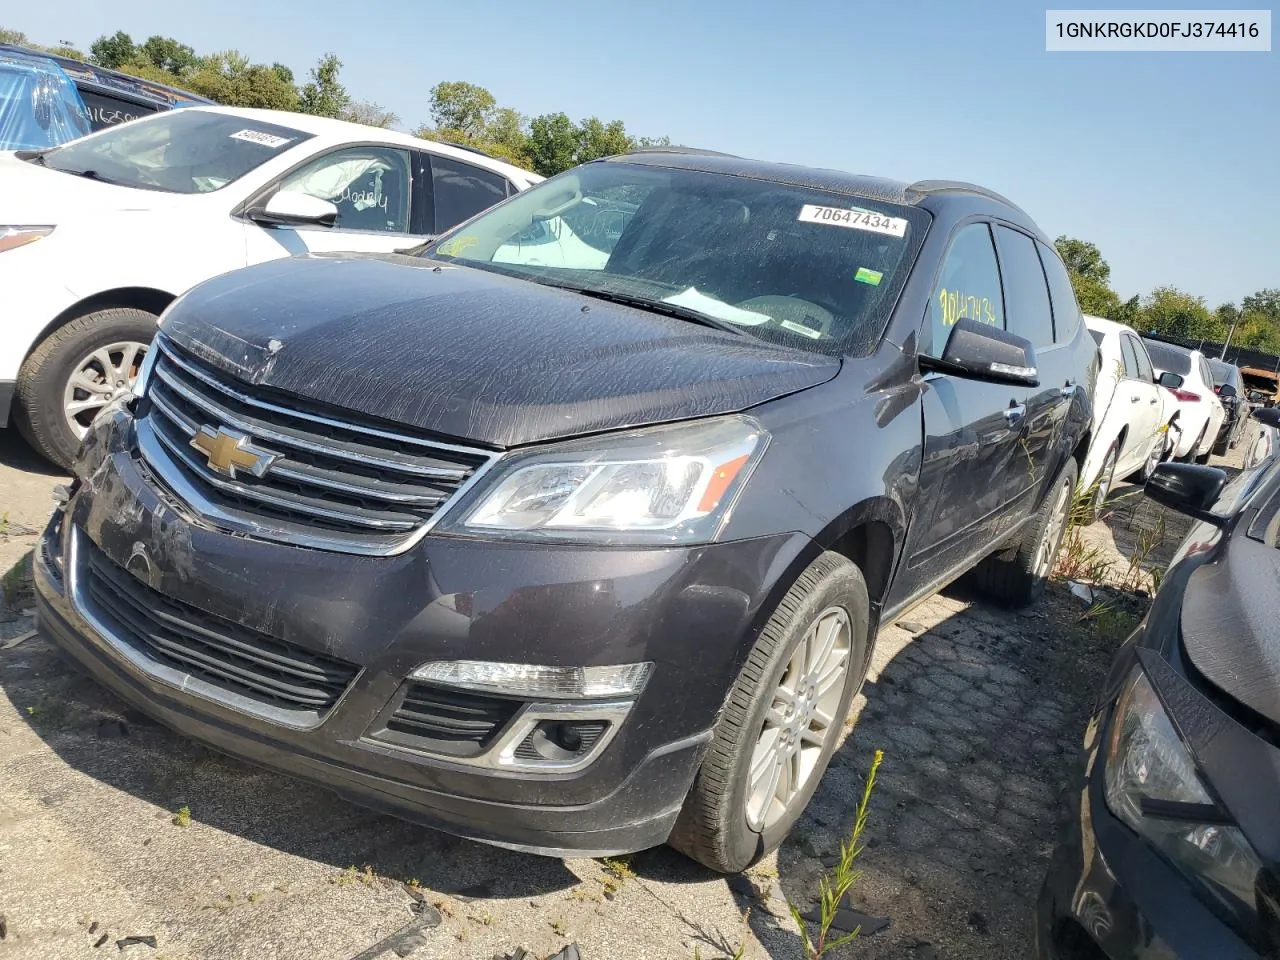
[[1226, 391], [288, 208], [1188, 488], [1170, 381], [1268, 417], [979, 351]]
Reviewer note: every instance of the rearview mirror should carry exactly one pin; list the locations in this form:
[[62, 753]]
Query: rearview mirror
[[1170, 381], [980, 351], [288, 208], [1226, 391], [1188, 488]]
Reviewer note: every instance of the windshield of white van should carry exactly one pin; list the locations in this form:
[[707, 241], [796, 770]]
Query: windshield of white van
[[794, 265], [178, 151]]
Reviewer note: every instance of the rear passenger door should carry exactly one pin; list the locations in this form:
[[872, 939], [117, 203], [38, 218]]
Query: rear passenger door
[[973, 457], [1139, 393], [1029, 314], [461, 190]]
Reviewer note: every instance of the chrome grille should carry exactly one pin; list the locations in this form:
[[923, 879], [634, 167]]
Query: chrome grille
[[334, 483]]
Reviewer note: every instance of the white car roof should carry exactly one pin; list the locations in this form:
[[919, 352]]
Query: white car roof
[[343, 131], [1105, 326]]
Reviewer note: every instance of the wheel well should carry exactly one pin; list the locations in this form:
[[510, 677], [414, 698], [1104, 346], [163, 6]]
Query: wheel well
[[870, 546], [1082, 450], [140, 298]]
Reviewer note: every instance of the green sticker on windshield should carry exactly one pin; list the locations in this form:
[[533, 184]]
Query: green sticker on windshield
[[872, 277]]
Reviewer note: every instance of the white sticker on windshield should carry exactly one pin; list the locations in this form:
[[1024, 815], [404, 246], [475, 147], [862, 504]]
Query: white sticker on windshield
[[854, 219], [265, 139]]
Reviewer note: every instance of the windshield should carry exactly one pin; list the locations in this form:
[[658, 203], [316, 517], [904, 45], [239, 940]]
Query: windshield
[[792, 265], [179, 151], [1168, 359]]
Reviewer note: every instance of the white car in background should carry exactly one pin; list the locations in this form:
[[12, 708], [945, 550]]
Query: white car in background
[[100, 235], [1187, 376], [1131, 413]]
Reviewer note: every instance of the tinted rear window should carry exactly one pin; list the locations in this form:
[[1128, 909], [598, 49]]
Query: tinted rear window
[[1168, 358], [107, 111], [1224, 373]]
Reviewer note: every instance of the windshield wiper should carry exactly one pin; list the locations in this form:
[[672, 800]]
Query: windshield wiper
[[90, 175], [661, 306]]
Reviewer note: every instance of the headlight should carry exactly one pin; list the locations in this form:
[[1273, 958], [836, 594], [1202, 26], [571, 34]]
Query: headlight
[[670, 484], [13, 237], [1147, 761]]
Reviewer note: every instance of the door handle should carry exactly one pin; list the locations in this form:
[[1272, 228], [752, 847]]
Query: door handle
[[1153, 400], [1015, 412], [1136, 399], [1068, 390]]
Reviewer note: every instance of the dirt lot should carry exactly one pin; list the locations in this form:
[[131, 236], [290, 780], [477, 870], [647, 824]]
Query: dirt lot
[[979, 712]]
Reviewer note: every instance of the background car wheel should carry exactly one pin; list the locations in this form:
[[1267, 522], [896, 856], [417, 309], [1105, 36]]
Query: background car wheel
[[781, 722], [1102, 486], [1191, 454], [1159, 451], [1019, 581], [74, 373]]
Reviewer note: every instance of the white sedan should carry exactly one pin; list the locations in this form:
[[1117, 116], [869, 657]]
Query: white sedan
[[101, 234], [1131, 412], [1187, 375]]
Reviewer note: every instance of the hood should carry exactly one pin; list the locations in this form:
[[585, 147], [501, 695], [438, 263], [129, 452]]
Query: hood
[[474, 355], [1229, 615], [36, 194]]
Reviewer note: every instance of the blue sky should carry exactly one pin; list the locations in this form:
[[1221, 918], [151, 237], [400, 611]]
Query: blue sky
[[1170, 162]]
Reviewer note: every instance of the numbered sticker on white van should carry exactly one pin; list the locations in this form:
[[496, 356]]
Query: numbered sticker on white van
[[853, 219], [263, 139]]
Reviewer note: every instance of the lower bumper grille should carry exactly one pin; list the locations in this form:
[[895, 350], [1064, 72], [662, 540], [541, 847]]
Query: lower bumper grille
[[216, 651], [451, 722]]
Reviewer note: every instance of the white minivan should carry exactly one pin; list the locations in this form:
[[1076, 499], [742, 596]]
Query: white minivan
[[99, 235]]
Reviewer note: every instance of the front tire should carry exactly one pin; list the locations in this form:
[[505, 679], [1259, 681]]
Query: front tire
[[1020, 580], [781, 722], [73, 373]]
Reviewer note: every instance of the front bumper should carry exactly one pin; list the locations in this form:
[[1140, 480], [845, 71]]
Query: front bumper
[[692, 612], [1109, 896]]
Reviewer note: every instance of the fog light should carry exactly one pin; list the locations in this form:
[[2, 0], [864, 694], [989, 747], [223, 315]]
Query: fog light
[[538, 682], [561, 740]]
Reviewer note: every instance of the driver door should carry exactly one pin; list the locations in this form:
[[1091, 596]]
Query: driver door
[[372, 187]]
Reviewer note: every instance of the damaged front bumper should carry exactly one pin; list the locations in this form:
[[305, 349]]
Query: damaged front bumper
[[300, 660]]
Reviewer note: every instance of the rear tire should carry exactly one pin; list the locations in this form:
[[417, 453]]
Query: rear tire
[[1020, 580], [731, 819], [44, 382], [1191, 454]]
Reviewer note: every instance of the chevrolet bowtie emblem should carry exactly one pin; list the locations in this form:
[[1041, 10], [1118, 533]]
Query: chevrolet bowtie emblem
[[228, 451]]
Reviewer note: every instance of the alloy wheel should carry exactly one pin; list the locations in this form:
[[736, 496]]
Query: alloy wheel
[[1053, 532], [99, 378], [802, 717]]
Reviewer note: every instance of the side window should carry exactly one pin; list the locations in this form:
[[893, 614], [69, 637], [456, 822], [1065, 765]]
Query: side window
[[969, 285], [1144, 361], [1026, 297], [1206, 372], [463, 190], [1066, 311], [1131, 369], [368, 185]]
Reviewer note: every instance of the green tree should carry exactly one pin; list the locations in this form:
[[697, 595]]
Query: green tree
[[283, 72], [462, 107], [1258, 331], [506, 136], [370, 114], [15, 37], [1083, 259], [229, 78], [1095, 298], [597, 139], [1174, 313], [323, 95], [553, 143], [1266, 302], [113, 52], [168, 55]]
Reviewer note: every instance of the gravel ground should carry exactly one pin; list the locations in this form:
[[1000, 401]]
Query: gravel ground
[[979, 713]]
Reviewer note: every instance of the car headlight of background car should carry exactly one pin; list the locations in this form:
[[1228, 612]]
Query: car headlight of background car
[[12, 237], [668, 484], [1149, 773]]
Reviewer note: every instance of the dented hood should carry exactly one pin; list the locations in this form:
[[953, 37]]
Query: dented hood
[[473, 355]]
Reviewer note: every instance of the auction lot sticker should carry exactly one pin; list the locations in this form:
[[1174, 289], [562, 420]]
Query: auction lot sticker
[[265, 139], [853, 219]]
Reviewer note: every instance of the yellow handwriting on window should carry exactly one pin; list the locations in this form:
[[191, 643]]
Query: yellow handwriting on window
[[955, 304]]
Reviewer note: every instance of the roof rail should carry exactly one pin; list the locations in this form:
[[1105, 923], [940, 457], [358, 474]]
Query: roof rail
[[937, 186], [469, 149], [693, 151]]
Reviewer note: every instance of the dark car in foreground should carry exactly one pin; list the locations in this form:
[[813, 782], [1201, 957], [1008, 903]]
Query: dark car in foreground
[[112, 97], [579, 547], [1172, 848]]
